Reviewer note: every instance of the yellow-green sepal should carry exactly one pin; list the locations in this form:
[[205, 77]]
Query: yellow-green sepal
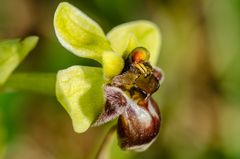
[[79, 89], [78, 33], [126, 37]]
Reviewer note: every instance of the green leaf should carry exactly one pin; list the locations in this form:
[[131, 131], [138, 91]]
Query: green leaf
[[78, 33], [12, 52], [113, 64], [80, 90], [126, 37]]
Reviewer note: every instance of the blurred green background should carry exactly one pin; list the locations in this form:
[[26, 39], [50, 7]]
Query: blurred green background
[[199, 99]]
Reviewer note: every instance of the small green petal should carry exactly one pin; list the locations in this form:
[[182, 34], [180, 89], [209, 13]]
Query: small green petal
[[128, 36], [80, 90], [78, 33], [113, 64], [12, 52]]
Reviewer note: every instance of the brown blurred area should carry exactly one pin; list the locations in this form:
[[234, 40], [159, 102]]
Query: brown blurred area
[[199, 99]]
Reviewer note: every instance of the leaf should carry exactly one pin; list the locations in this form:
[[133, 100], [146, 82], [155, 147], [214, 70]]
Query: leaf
[[78, 33], [126, 37], [80, 90], [12, 52]]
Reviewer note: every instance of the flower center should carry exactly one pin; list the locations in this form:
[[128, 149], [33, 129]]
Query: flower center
[[138, 78]]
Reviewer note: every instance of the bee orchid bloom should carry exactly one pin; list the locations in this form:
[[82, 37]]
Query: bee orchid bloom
[[122, 87]]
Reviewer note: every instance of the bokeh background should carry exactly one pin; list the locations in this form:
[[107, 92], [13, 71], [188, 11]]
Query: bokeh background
[[199, 99]]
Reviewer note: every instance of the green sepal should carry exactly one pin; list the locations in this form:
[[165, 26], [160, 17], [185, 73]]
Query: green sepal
[[78, 33], [79, 89], [126, 37]]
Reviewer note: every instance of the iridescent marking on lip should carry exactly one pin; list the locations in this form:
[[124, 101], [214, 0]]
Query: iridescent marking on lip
[[143, 115], [134, 132]]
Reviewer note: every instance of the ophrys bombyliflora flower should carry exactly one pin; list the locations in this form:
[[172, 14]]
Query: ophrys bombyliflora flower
[[125, 82]]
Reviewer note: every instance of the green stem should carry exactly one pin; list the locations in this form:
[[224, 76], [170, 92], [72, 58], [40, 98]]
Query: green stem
[[43, 83], [104, 150]]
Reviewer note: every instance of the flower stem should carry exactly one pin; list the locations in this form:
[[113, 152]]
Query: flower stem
[[103, 152], [43, 83]]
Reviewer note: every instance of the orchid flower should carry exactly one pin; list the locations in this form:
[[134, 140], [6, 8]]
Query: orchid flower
[[121, 87]]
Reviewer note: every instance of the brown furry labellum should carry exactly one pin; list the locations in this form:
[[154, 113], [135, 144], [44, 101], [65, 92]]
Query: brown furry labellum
[[129, 97]]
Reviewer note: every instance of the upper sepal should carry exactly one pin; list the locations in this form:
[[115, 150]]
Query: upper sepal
[[78, 33]]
